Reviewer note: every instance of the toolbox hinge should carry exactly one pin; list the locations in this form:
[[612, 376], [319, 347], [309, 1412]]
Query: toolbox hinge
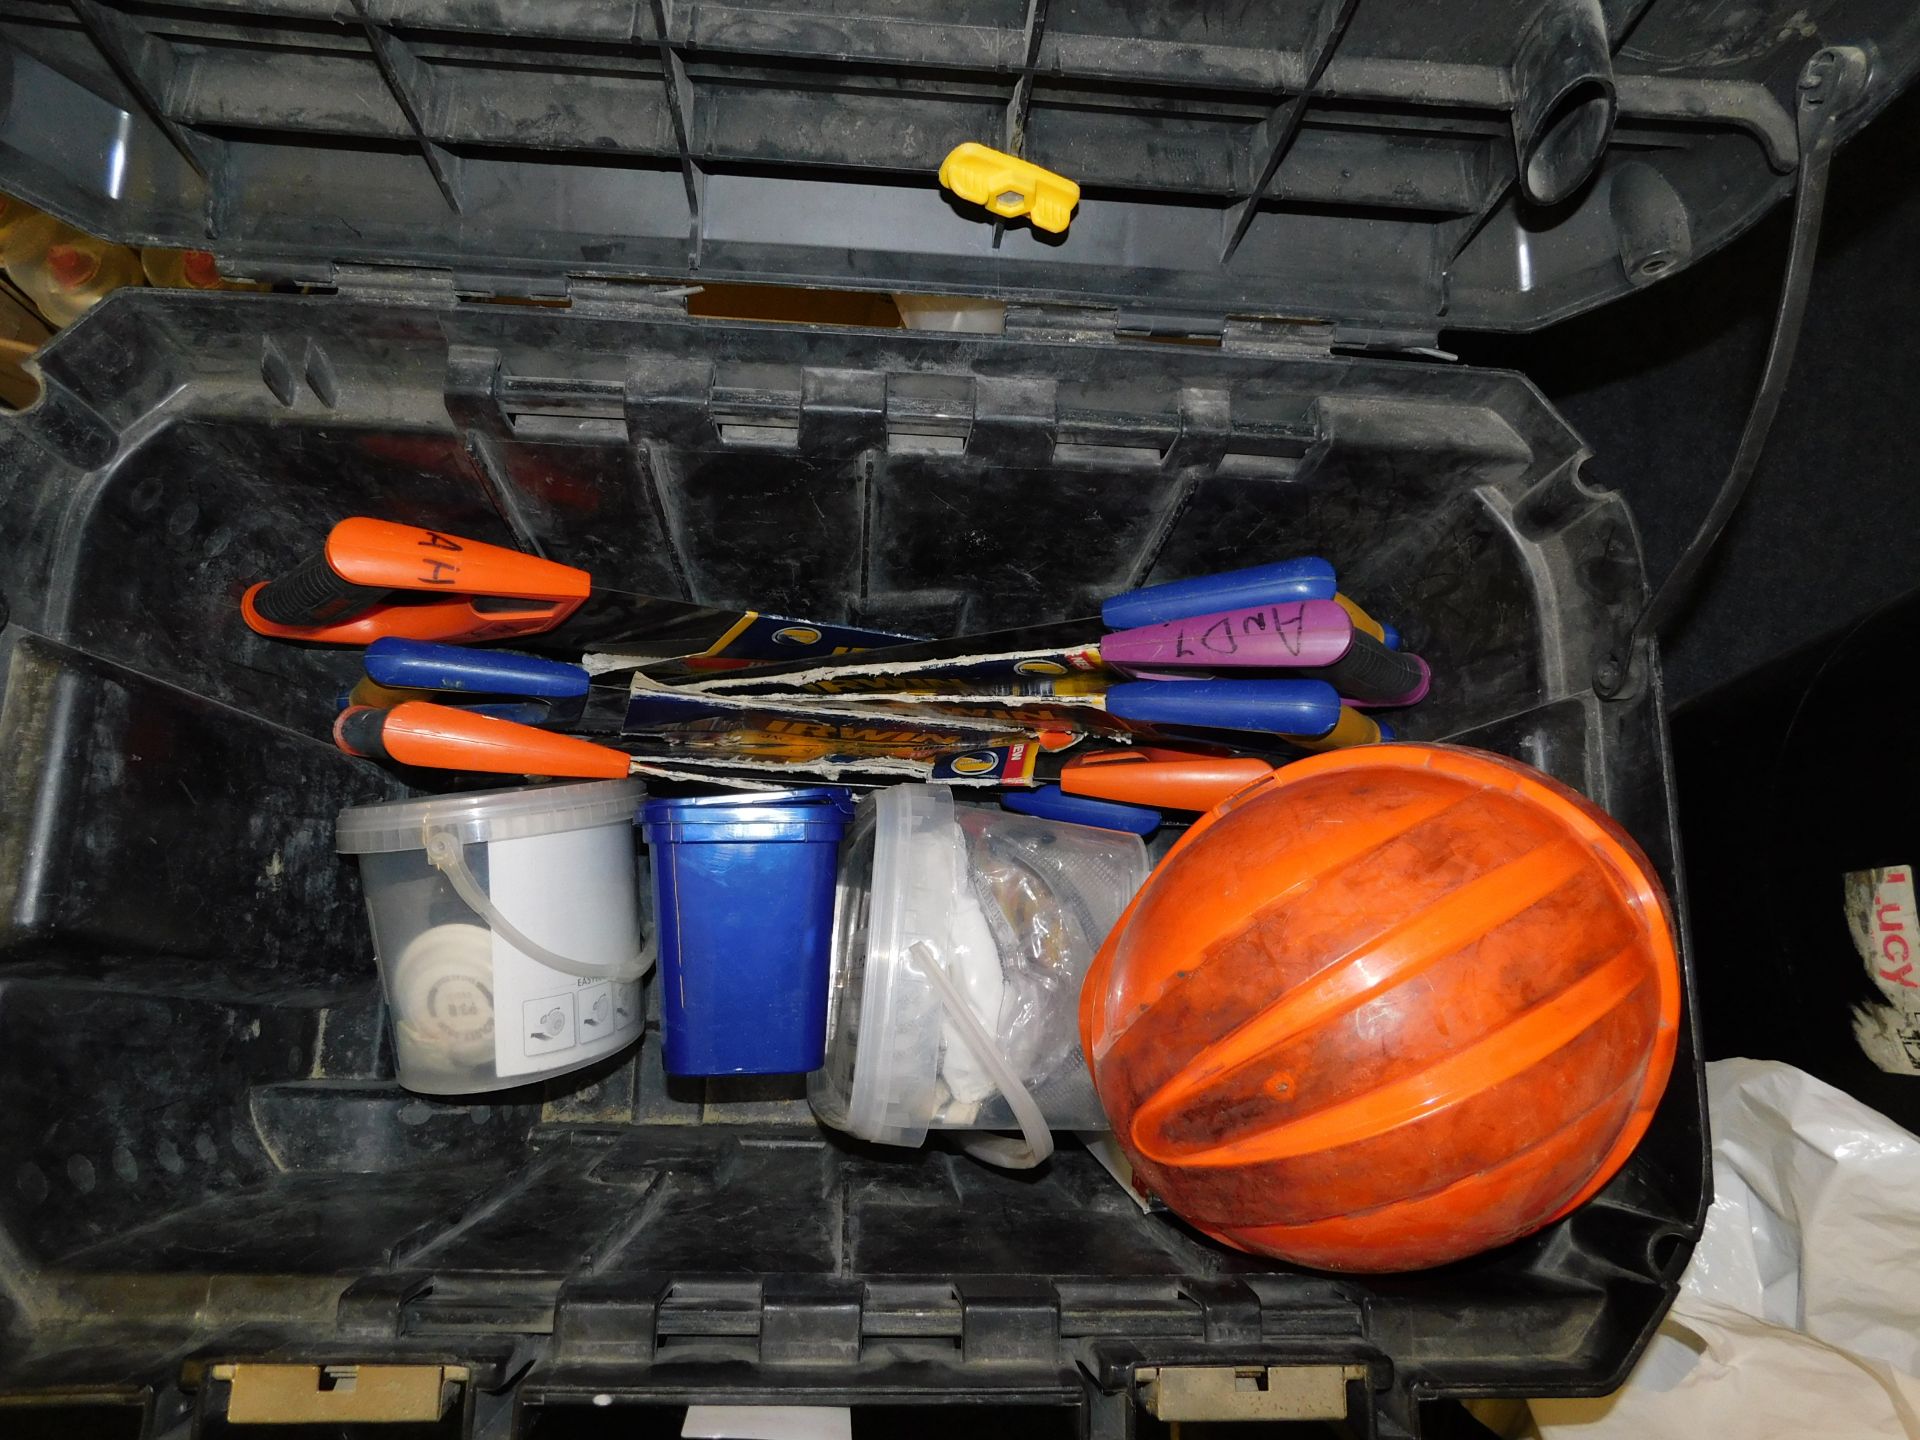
[[393, 284], [1276, 335], [1074, 324], [1094, 324], [638, 299], [509, 285], [1172, 1393], [424, 285], [260, 1394], [436, 285], [1244, 334], [1289, 336]]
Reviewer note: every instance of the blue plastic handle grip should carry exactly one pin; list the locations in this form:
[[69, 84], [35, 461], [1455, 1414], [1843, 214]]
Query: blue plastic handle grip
[[1050, 802], [423, 665], [1307, 578], [1277, 707]]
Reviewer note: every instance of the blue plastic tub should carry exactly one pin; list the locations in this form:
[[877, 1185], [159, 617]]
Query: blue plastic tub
[[743, 887]]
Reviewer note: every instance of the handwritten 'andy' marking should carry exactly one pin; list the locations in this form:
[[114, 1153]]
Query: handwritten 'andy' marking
[[1289, 628]]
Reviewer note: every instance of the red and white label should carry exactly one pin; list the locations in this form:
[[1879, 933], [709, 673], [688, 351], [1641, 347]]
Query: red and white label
[[1886, 933]]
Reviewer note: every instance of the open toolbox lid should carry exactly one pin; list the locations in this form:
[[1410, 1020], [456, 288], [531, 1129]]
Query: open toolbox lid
[[1390, 166]]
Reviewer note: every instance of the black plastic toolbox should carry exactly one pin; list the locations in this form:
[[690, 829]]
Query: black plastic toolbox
[[215, 1204]]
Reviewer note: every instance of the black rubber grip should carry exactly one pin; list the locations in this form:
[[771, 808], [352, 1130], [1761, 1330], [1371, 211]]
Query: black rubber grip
[[1370, 671], [360, 730], [314, 595]]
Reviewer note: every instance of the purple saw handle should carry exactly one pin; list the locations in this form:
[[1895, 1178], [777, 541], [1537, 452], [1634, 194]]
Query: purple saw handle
[[1296, 634]]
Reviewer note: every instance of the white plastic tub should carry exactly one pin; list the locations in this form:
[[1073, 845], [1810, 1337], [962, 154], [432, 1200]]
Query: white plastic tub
[[506, 926]]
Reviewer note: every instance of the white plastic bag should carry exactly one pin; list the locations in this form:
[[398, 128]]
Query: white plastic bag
[[1800, 1312]]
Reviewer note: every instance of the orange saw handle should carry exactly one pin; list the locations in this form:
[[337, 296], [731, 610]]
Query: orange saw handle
[[441, 737], [376, 578], [1169, 779]]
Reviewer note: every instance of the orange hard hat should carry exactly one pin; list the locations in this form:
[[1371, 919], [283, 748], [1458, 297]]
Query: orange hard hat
[[1385, 1008]]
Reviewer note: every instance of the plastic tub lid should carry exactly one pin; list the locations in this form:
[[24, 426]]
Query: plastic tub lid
[[809, 795], [664, 806], [515, 814]]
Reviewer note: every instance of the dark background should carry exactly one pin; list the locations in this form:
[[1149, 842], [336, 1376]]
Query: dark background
[[1659, 385]]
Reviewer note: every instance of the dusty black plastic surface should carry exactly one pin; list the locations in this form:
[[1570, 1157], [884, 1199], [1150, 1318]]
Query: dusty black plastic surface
[[1392, 166], [203, 1156]]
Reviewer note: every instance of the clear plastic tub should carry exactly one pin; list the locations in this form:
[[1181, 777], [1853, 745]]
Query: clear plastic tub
[[942, 903], [506, 926]]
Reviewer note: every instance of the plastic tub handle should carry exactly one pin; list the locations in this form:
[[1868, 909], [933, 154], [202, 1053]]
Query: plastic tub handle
[[994, 1149], [447, 854]]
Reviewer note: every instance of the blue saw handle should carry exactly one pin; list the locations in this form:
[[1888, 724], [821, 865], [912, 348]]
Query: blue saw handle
[[1277, 707], [1050, 802], [1307, 578], [423, 665]]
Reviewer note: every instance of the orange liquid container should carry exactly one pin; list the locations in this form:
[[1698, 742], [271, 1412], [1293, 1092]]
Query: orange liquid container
[[1385, 1009], [188, 270], [72, 273]]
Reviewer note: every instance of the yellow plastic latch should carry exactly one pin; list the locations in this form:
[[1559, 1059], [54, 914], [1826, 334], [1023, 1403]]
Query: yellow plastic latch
[[1009, 186]]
